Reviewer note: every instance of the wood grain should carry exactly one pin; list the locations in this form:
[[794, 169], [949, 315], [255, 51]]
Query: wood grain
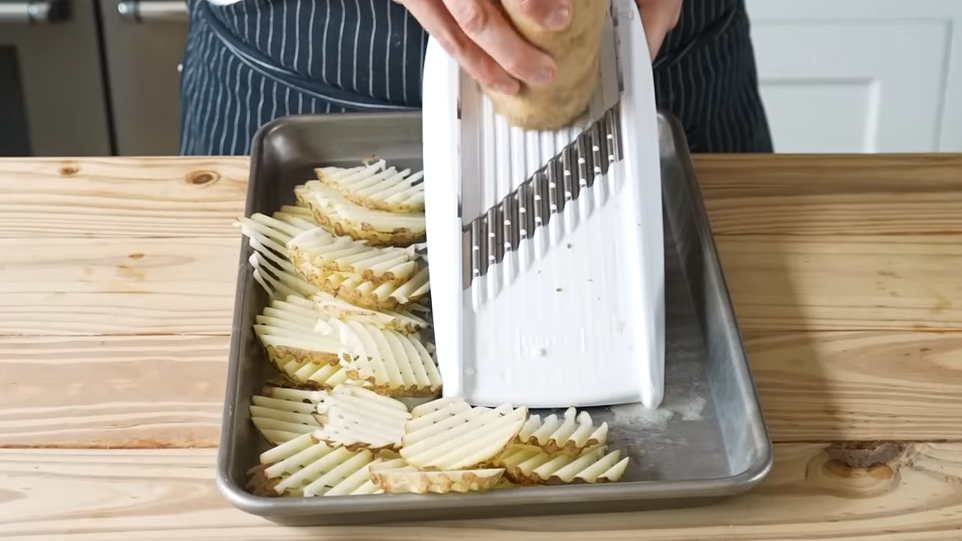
[[52, 286], [121, 197], [832, 386], [116, 292], [150, 286], [844, 283], [834, 195], [781, 194], [883, 492], [112, 391], [166, 391]]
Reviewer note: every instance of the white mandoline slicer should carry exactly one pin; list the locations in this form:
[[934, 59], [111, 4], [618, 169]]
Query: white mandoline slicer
[[547, 249]]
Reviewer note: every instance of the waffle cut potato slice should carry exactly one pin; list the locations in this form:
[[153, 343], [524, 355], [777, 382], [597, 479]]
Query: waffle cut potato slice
[[359, 418], [281, 415], [293, 329], [306, 467], [343, 217], [277, 280], [392, 305], [278, 228], [305, 362], [410, 480], [301, 342], [376, 186], [367, 486], [448, 434], [330, 253], [423, 377], [388, 362], [529, 466], [364, 293], [404, 321], [269, 235], [281, 280], [571, 434]]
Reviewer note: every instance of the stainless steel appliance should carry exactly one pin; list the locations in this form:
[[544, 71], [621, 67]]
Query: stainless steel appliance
[[90, 77]]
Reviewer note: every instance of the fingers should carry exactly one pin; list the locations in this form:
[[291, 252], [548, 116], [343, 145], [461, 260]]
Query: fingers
[[490, 30], [437, 20]]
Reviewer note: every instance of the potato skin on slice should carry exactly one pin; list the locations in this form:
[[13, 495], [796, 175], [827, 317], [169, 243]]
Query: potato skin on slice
[[527, 466], [283, 419], [577, 53], [411, 481], [390, 363], [376, 186], [359, 418], [448, 434], [570, 434], [338, 215]]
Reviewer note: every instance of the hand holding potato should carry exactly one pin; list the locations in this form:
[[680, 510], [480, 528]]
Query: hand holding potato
[[478, 35], [536, 59]]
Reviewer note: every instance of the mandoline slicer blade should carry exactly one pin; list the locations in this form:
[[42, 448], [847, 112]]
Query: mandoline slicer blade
[[547, 249]]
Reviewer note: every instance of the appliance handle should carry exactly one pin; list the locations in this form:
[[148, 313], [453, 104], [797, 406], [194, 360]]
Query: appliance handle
[[34, 12], [144, 11]]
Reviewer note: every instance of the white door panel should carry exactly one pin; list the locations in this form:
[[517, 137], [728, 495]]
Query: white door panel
[[860, 75], [842, 113]]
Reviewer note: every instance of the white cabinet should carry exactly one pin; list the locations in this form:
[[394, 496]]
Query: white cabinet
[[860, 75]]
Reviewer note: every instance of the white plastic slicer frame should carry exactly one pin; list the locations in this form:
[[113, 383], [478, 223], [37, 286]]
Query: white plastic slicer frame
[[547, 250]]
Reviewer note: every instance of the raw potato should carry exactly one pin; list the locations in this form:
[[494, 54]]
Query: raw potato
[[289, 331], [277, 282], [393, 364], [377, 187], [268, 237], [301, 343], [448, 434], [313, 376], [341, 216], [287, 245], [340, 326], [576, 51], [282, 284], [315, 350], [283, 419], [410, 480], [358, 418], [294, 395], [368, 487], [343, 254], [404, 322], [571, 434], [528, 466], [306, 467], [364, 293]]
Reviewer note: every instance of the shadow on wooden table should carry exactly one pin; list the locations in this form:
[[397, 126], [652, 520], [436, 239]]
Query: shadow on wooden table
[[794, 389]]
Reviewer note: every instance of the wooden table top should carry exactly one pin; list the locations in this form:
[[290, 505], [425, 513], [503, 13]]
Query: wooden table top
[[116, 284]]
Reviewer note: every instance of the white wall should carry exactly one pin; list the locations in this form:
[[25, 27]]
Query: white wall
[[860, 75]]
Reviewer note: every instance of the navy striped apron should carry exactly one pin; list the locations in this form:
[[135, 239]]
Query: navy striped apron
[[253, 61], [705, 75]]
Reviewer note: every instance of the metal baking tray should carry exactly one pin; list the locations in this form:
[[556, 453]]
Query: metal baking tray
[[707, 440]]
